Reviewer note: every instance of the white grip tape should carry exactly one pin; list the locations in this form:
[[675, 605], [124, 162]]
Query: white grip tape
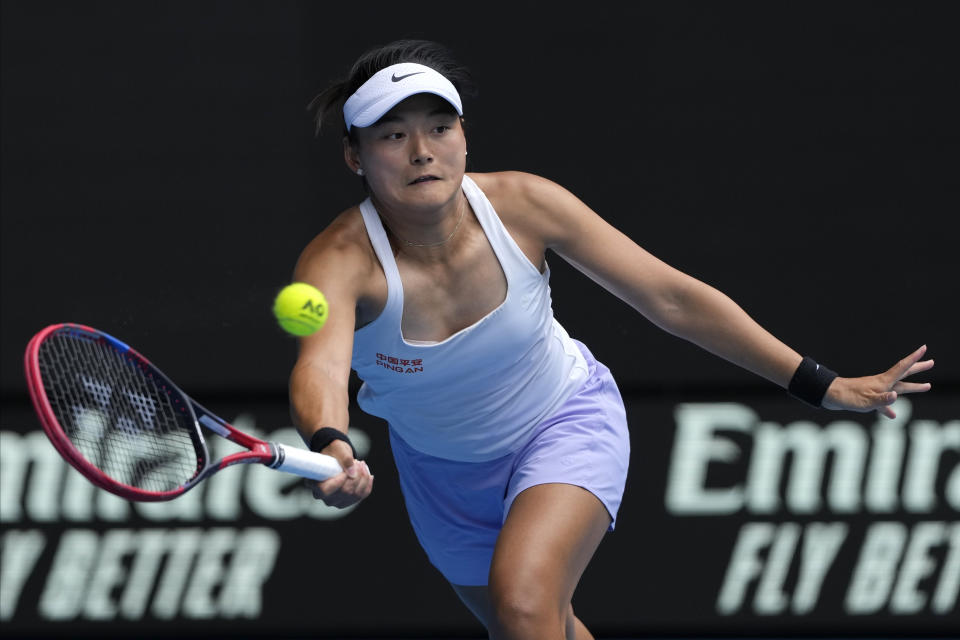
[[307, 464]]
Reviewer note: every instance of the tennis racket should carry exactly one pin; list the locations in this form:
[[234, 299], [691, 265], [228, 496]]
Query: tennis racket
[[125, 426]]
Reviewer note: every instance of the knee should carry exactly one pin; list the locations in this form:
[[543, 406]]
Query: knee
[[528, 612]]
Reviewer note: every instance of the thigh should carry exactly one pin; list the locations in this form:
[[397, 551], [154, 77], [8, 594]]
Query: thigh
[[585, 442], [547, 540]]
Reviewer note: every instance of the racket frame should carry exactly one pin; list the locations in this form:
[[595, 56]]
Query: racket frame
[[268, 453]]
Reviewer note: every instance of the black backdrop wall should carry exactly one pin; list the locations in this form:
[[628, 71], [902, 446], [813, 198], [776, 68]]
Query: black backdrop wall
[[160, 176]]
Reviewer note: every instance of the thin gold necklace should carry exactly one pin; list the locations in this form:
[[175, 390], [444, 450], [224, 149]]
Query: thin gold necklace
[[434, 244]]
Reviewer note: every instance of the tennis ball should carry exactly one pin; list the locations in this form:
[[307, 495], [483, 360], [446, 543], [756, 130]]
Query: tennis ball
[[300, 309]]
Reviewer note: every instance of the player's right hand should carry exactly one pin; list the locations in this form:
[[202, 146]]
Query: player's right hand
[[348, 487]]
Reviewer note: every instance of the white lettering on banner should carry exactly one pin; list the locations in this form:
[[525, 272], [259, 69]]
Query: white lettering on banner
[[143, 570], [876, 569], [124, 573], [19, 553], [864, 474], [181, 552], [242, 592], [107, 574], [842, 468], [895, 560], [37, 485], [917, 564], [745, 565], [821, 543], [697, 445], [208, 574], [66, 582], [895, 563], [810, 446], [928, 442], [945, 597], [884, 471], [195, 573]]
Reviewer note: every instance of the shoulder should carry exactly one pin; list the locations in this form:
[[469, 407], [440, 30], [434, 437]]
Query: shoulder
[[342, 251], [531, 203], [517, 187]]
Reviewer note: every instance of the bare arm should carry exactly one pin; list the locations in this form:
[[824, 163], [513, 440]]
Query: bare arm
[[319, 382], [685, 306]]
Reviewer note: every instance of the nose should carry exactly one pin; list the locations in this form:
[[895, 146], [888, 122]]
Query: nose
[[420, 152]]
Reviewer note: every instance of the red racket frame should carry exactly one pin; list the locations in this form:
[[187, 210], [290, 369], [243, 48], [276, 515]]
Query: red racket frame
[[258, 450]]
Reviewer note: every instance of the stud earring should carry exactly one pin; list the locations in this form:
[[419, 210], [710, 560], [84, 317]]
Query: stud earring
[[359, 172]]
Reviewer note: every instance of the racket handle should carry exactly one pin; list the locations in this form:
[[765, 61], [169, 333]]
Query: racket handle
[[307, 464]]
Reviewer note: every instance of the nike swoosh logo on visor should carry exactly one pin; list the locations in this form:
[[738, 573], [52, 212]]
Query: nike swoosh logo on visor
[[397, 78]]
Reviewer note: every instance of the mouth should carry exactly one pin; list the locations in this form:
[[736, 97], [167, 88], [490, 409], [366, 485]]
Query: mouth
[[422, 179]]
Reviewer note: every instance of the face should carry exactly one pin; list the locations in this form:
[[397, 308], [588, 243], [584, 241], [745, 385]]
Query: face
[[414, 156]]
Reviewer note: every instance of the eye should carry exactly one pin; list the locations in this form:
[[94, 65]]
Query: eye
[[394, 135], [442, 128]]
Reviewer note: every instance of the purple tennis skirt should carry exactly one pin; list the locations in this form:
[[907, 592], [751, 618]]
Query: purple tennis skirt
[[457, 508]]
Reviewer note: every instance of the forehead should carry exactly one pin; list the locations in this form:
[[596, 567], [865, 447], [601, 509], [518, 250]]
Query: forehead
[[418, 105]]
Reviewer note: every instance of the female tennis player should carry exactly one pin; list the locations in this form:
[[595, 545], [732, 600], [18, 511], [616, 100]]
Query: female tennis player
[[509, 437]]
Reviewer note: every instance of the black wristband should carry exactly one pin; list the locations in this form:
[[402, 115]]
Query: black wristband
[[810, 381], [325, 435]]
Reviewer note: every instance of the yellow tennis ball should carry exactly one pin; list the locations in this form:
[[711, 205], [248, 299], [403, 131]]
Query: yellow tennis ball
[[300, 309]]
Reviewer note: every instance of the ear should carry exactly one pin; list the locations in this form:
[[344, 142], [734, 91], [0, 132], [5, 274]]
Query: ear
[[350, 155]]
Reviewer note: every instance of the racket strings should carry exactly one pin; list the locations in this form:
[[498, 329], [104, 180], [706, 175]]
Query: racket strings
[[117, 415]]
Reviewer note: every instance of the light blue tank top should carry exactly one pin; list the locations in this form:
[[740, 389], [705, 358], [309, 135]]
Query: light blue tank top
[[478, 394]]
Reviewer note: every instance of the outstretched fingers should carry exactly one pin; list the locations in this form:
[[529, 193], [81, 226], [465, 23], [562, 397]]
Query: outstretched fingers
[[910, 365], [911, 387], [895, 375], [924, 365]]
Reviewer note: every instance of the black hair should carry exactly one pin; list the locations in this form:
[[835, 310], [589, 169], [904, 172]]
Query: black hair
[[329, 103]]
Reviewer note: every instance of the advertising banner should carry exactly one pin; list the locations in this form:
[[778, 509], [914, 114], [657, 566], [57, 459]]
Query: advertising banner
[[741, 516]]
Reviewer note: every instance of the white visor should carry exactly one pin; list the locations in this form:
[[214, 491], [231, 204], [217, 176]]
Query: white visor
[[387, 87]]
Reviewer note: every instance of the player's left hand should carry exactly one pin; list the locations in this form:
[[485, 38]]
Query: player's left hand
[[878, 392]]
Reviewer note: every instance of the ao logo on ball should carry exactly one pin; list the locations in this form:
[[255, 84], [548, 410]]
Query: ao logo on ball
[[300, 309]]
